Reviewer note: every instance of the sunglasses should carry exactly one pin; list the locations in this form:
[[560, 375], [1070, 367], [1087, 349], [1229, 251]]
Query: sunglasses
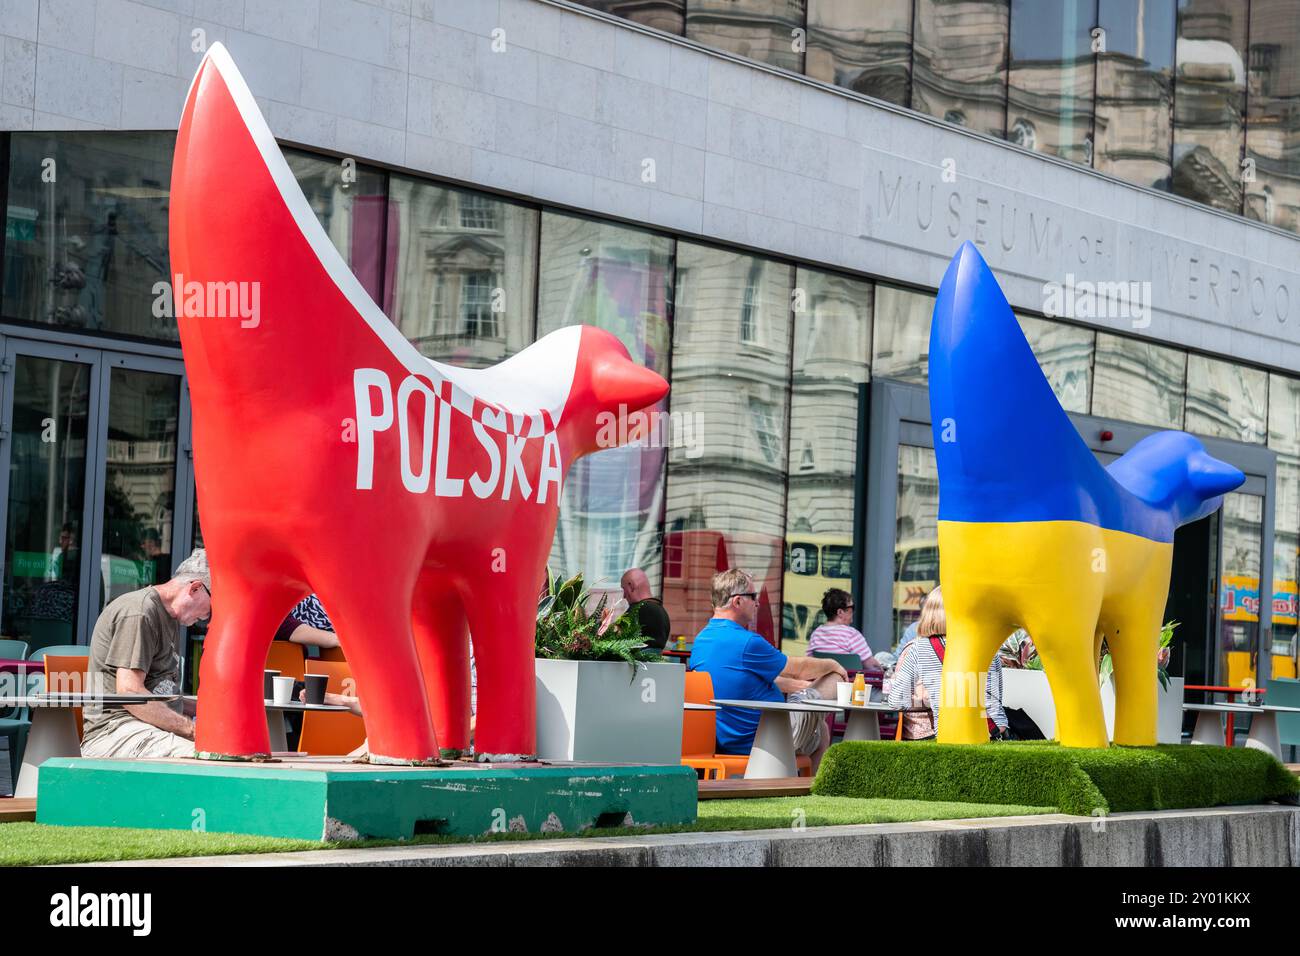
[[752, 595]]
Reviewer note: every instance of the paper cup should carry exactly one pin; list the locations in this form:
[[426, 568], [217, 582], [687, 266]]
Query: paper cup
[[843, 692], [283, 688], [316, 687], [267, 677]]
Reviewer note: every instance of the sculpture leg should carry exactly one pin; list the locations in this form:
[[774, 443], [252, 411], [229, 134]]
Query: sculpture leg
[[504, 633], [1067, 648], [442, 640], [375, 633], [1133, 649], [972, 642], [232, 718]]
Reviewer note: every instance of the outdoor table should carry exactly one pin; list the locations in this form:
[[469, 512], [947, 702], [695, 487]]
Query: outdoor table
[[689, 706], [863, 720], [278, 729], [682, 656], [773, 752], [54, 729], [1263, 729], [1231, 693], [1208, 730]]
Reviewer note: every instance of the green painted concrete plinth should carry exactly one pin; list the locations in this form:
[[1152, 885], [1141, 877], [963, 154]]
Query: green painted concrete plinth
[[344, 801]]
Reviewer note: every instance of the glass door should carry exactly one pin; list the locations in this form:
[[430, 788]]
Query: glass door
[[89, 468], [49, 414]]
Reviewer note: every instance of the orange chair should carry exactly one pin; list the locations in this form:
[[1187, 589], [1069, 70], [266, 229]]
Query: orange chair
[[699, 736], [67, 675], [332, 654], [332, 733], [287, 658]]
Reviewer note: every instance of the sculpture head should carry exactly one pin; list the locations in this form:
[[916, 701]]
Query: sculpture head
[[608, 401], [1172, 471]]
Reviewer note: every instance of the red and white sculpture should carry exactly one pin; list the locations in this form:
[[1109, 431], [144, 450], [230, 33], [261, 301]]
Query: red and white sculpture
[[418, 500]]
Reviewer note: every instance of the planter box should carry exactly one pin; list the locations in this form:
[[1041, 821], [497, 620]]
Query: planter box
[[1029, 691], [1169, 711], [597, 711]]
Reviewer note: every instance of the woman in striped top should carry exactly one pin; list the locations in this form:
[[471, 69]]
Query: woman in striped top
[[838, 635], [918, 675]]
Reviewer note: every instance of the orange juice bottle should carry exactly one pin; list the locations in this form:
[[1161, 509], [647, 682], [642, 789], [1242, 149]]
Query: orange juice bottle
[[859, 690]]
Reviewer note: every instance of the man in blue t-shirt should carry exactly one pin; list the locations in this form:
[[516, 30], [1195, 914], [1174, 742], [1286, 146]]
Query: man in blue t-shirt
[[743, 666]]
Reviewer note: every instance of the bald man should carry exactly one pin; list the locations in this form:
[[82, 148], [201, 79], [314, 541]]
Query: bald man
[[649, 609]]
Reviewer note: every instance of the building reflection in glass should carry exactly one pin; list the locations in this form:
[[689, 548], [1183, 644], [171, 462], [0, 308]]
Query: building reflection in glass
[[1064, 353], [1273, 118], [1050, 88], [86, 231], [862, 47], [902, 334], [1243, 524], [666, 15], [1226, 400], [763, 30], [1284, 439], [463, 272], [351, 203], [619, 279], [959, 62], [730, 381], [1136, 381], [832, 349], [916, 537], [1210, 101], [1135, 90]]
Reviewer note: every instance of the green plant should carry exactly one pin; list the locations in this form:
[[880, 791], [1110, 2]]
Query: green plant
[[569, 628], [1107, 668]]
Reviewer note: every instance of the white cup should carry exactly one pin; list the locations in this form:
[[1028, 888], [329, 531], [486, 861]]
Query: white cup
[[283, 689], [843, 693]]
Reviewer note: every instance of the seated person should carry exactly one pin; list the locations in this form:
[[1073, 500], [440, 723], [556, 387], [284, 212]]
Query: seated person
[[838, 635], [649, 609], [918, 677], [743, 666], [133, 651], [308, 624]]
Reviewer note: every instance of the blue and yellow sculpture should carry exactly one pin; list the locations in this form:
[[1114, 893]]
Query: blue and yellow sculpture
[[1035, 533]]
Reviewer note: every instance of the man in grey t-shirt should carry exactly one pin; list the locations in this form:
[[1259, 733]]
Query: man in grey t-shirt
[[133, 651]]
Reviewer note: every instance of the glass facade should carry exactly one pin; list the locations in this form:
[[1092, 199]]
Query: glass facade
[[959, 62], [463, 271], [86, 232], [731, 380], [1197, 97], [830, 369], [863, 47], [620, 280], [755, 457]]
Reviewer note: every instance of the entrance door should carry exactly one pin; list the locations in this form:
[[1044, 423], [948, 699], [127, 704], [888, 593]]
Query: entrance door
[[1218, 562], [89, 471]]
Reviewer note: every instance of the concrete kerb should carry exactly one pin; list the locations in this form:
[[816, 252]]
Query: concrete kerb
[[1223, 836]]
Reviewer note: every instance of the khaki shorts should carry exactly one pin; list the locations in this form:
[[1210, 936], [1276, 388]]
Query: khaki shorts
[[808, 728], [135, 738]]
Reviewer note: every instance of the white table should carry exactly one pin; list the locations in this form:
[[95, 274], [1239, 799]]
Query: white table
[[277, 727], [1209, 725], [863, 720], [1263, 729], [54, 728], [689, 706], [773, 752]]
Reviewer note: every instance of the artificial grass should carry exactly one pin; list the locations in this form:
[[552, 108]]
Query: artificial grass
[[35, 844], [1078, 781]]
